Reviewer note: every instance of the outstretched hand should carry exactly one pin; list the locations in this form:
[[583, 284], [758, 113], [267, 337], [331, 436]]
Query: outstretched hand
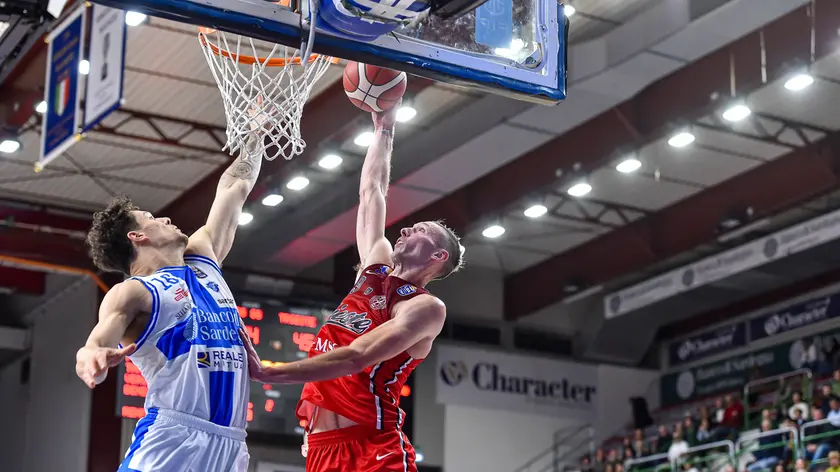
[[388, 118], [259, 114], [255, 367], [92, 363]]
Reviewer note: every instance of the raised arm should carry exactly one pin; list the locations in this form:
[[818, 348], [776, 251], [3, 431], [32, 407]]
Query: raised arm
[[373, 188], [415, 320], [118, 309], [215, 238]]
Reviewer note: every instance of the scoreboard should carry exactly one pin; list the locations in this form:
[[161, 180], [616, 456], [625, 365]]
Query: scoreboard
[[280, 333]]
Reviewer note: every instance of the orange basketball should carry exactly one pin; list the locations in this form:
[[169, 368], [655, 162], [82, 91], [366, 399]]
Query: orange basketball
[[373, 88]]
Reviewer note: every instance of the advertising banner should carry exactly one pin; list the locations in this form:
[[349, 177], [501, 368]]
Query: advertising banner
[[707, 343], [498, 380], [107, 56]]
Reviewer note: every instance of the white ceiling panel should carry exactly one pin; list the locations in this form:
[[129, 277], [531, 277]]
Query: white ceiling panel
[[639, 191], [692, 163], [489, 151]]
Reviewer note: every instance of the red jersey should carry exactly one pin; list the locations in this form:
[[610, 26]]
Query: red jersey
[[372, 396]]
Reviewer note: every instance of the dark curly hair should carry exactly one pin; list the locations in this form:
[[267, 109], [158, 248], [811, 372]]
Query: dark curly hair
[[107, 240]]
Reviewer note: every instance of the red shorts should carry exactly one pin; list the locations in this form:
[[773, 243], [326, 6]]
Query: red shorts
[[359, 449]]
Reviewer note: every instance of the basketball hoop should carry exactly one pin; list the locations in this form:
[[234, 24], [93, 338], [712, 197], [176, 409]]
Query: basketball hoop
[[262, 93]]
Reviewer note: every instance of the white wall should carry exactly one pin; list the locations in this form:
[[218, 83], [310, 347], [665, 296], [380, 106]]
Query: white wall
[[429, 415], [59, 407], [13, 408], [483, 440], [616, 385]]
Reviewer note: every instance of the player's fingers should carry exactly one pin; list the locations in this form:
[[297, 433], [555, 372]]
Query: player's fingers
[[128, 350]]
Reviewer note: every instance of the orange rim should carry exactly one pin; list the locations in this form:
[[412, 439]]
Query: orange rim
[[250, 60]]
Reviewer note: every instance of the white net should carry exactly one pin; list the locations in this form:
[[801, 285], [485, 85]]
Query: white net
[[264, 88]]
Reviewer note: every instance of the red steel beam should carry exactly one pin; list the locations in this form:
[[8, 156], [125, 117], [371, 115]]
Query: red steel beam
[[650, 115], [328, 116]]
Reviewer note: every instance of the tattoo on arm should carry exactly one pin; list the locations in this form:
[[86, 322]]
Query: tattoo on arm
[[246, 166]]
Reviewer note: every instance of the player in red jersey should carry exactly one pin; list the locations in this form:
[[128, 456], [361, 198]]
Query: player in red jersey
[[379, 333]]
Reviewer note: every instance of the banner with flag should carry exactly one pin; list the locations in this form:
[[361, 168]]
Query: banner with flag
[[61, 123], [107, 58]]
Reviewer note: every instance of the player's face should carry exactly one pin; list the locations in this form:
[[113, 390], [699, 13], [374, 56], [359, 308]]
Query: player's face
[[419, 244], [158, 231]]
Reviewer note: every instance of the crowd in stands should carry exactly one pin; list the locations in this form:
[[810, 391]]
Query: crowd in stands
[[786, 404]]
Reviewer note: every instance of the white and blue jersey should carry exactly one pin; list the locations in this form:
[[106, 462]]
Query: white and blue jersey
[[196, 368]]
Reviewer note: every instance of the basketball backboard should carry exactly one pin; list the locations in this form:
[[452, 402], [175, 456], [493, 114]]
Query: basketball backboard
[[511, 48]]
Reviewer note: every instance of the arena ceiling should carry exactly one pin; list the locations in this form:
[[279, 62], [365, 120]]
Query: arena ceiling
[[640, 71]]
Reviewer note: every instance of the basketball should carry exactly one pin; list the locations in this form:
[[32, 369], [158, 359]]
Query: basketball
[[373, 88]]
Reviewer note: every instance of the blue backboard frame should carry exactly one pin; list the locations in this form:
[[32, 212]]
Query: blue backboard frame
[[545, 84]]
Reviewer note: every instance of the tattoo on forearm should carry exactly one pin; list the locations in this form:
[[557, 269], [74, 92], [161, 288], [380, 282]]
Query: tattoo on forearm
[[246, 166]]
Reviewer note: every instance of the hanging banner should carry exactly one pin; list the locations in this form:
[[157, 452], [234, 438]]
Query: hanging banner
[[784, 243], [60, 125], [795, 317], [107, 58], [708, 343]]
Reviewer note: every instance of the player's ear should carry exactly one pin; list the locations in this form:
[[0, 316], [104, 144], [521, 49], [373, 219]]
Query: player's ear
[[137, 236], [441, 255]]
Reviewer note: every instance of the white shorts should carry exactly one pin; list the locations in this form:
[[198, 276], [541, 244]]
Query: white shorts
[[170, 441]]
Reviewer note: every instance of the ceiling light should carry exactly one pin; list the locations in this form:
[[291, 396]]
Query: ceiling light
[[493, 231], [736, 112], [8, 146], [365, 139], [579, 189], [245, 218], [628, 165], [41, 107], [568, 10], [799, 82], [84, 67], [536, 211], [298, 183], [681, 139], [330, 161], [272, 200], [406, 113], [133, 18]]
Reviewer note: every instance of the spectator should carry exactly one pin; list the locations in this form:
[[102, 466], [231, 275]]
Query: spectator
[[823, 399], [629, 454], [625, 446], [663, 441], [767, 415], [600, 461], [797, 418], [609, 468], [719, 410], [612, 456], [816, 449], [833, 462], [800, 405], [769, 452], [619, 467], [703, 433], [678, 447], [640, 448], [585, 464], [705, 415], [801, 465], [638, 435], [689, 431], [835, 383], [733, 415], [834, 413]]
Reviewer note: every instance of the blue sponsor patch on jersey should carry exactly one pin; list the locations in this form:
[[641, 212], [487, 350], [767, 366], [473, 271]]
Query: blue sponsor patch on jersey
[[198, 272], [407, 289], [213, 286]]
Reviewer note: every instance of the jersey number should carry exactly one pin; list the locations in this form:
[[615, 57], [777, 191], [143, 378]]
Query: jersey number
[[166, 281]]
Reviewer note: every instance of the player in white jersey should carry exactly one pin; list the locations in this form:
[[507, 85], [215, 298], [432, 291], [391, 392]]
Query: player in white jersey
[[176, 319]]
